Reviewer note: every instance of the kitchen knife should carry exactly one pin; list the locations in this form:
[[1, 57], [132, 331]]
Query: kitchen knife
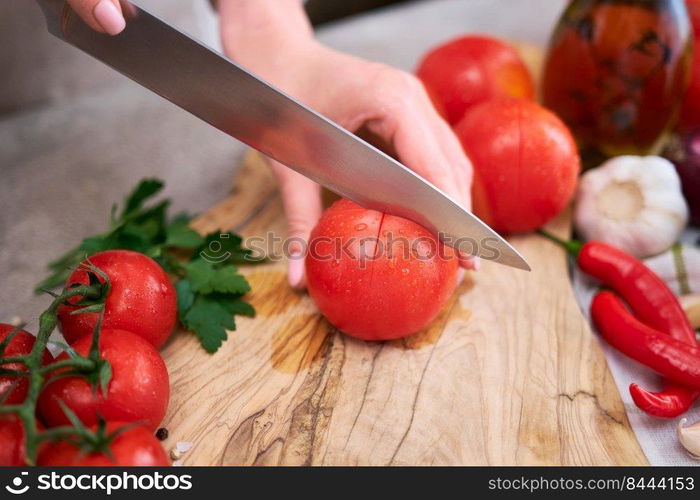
[[218, 91]]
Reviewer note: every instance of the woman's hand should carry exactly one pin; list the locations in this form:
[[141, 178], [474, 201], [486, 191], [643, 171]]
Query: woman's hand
[[273, 39], [104, 16]]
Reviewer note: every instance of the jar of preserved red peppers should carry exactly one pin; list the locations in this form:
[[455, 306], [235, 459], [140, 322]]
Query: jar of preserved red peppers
[[616, 71]]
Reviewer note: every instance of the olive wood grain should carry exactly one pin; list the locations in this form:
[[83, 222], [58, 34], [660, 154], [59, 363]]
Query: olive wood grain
[[509, 373]]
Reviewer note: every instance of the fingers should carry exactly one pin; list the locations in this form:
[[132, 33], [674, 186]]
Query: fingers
[[420, 139], [415, 143], [104, 16], [426, 144], [456, 157], [302, 205]]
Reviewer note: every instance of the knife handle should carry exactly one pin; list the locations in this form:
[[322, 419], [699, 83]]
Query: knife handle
[[54, 11]]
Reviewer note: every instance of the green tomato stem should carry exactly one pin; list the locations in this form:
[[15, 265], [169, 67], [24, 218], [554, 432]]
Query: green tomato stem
[[572, 247], [36, 372]]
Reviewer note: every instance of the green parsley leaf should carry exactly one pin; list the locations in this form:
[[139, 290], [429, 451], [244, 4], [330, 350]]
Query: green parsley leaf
[[185, 298], [208, 285], [225, 248], [239, 308], [209, 321], [179, 234], [146, 189], [205, 278]]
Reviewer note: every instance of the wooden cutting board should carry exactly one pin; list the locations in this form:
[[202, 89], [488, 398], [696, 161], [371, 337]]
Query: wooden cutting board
[[509, 373]]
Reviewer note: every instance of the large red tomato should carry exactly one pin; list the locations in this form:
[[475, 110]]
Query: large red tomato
[[135, 446], [376, 276], [12, 453], [525, 163], [473, 69], [137, 392], [142, 299], [21, 344]]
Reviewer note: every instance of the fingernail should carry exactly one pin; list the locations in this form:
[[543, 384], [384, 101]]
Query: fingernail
[[295, 273], [477, 263], [469, 262], [109, 17]]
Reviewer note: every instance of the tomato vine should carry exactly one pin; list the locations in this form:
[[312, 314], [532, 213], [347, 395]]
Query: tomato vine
[[92, 367]]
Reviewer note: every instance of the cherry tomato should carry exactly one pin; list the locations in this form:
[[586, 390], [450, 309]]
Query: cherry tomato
[[12, 451], [525, 163], [137, 392], [377, 276], [134, 447], [142, 299], [21, 344], [473, 69]]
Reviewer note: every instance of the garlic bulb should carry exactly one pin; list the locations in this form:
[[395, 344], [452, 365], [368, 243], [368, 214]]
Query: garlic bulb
[[679, 268], [689, 437], [632, 202]]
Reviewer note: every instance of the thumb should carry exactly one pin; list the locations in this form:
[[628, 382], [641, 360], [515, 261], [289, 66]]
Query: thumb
[[104, 16], [301, 198]]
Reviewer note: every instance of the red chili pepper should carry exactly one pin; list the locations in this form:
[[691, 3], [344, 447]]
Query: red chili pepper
[[672, 401], [650, 298], [665, 355], [655, 304], [652, 301]]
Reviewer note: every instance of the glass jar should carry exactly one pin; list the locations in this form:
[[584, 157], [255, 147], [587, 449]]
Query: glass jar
[[616, 71]]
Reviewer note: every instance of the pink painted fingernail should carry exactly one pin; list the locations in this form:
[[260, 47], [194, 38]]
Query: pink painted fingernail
[[296, 271], [109, 17]]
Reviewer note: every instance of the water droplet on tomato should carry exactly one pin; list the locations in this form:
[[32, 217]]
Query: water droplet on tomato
[[405, 270], [361, 226]]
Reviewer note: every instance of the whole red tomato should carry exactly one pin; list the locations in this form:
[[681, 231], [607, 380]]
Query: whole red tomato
[[21, 344], [135, 446], [142, 299], [376, 276], [12, 453], [473, 69], [525, 163], [137, 392]]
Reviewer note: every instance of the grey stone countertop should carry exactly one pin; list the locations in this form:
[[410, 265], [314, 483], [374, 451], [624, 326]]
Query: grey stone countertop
[[63, 164]]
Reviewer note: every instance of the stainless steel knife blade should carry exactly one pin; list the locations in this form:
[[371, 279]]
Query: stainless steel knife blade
[[225, 95]]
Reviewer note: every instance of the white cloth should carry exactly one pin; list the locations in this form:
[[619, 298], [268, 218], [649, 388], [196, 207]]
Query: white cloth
[[656, 436]]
